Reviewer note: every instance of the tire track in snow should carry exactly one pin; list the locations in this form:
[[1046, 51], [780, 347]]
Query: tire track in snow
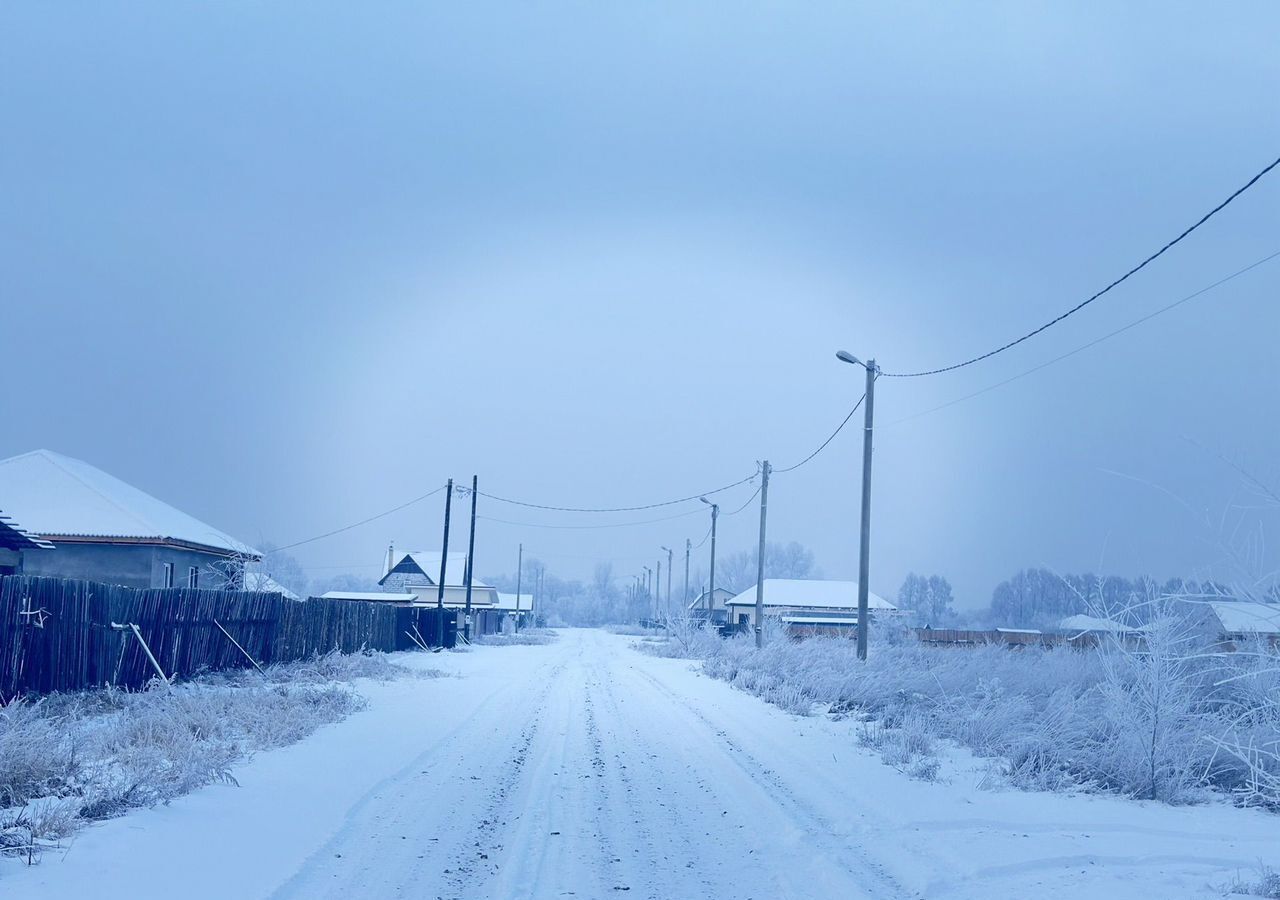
[[873, 878]]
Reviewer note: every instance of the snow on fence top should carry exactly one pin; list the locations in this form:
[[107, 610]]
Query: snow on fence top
[[802, 594], [56, 496]]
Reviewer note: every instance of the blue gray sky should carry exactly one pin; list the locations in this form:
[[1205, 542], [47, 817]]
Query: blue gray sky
[[289, 265]]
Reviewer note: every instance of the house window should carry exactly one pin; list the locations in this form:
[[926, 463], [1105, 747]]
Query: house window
[[167, 578], [193, 577]]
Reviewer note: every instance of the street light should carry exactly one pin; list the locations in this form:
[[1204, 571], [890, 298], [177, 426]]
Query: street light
[[864, 562], [711, 591]]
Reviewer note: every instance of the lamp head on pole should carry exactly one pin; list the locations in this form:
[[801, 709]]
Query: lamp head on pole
[[847, 357]]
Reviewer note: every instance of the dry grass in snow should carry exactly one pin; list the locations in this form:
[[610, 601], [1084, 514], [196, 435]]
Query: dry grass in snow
[[1174, 722], [69, 759]]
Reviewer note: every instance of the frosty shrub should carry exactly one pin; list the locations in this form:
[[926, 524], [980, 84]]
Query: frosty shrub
[[67, 759], [1266, 884], [1168, 720], [533, 637]]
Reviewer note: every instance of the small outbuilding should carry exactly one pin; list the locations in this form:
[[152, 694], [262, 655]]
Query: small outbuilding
[[809, 608]]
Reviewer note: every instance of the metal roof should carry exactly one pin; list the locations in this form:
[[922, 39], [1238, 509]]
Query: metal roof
[[803, 594], [56, 496], [13, 537]]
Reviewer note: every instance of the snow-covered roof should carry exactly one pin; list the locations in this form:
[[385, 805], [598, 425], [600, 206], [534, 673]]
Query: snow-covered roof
[[795, 592], [429, 562], [721, 596], [1082, 623], [56, 496], [1242, 616], [508, 602], [14, 537], [372, 596], [1019, 631], [261, 582]]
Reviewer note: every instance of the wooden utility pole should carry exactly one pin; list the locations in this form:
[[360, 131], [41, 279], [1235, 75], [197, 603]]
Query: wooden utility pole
[[444, 558], [471, 550], [711, 590], [670, 566], [519, 572], [764, 509], [864, 563]]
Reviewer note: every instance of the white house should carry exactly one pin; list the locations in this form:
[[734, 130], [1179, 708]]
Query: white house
[[809, 607]]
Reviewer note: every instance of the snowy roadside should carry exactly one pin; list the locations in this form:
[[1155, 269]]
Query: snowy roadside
[[963, 835], [219, 841], [69, 760]]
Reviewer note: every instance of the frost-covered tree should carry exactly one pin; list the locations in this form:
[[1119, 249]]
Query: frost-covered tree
[[737, 571], [929, 598]]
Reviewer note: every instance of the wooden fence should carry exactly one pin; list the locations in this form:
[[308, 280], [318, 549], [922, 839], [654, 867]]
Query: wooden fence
[[60, 634]]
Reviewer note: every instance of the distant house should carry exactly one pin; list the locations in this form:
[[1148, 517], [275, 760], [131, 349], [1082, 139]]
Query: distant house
[[809, 608], [418, 572], [14, 541], [103, 529], [517, 606], [719, 606], [261, 582], [1235, 622]]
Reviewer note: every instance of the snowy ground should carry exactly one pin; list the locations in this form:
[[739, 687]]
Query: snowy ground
[[585, 769]]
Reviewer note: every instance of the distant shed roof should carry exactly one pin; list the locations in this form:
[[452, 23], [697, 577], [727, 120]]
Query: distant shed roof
[[370, 596], [507, 602], [1243, 617], [799, 593], [1083, 623], [56, 496]]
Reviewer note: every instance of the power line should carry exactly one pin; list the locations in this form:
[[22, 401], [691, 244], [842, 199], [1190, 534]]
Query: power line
[[588, 527], [1093, 343], [1081, 305], [824, 444], [581, 509], [362, 521]]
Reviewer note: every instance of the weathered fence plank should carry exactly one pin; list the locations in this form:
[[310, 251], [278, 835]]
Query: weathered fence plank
[[56, 634]]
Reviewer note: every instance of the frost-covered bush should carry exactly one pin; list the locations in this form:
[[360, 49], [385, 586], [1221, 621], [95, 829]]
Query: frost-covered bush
[[533, 637], [71, 758], [1166, 720]]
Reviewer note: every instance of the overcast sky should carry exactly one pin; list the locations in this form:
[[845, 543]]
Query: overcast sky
[[286, 266]]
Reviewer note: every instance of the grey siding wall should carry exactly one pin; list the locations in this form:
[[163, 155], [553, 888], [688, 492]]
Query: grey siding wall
[[131, 565]]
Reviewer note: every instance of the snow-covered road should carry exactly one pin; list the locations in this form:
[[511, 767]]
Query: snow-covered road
[[586, 769]]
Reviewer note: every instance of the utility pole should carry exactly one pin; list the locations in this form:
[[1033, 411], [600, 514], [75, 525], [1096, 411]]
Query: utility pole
[[764, 508], [657, 590], [444, 558], [519, 572], [670, 566], [471, 549], [688, 548], [648, 580], [864, 563], [711, 591]]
